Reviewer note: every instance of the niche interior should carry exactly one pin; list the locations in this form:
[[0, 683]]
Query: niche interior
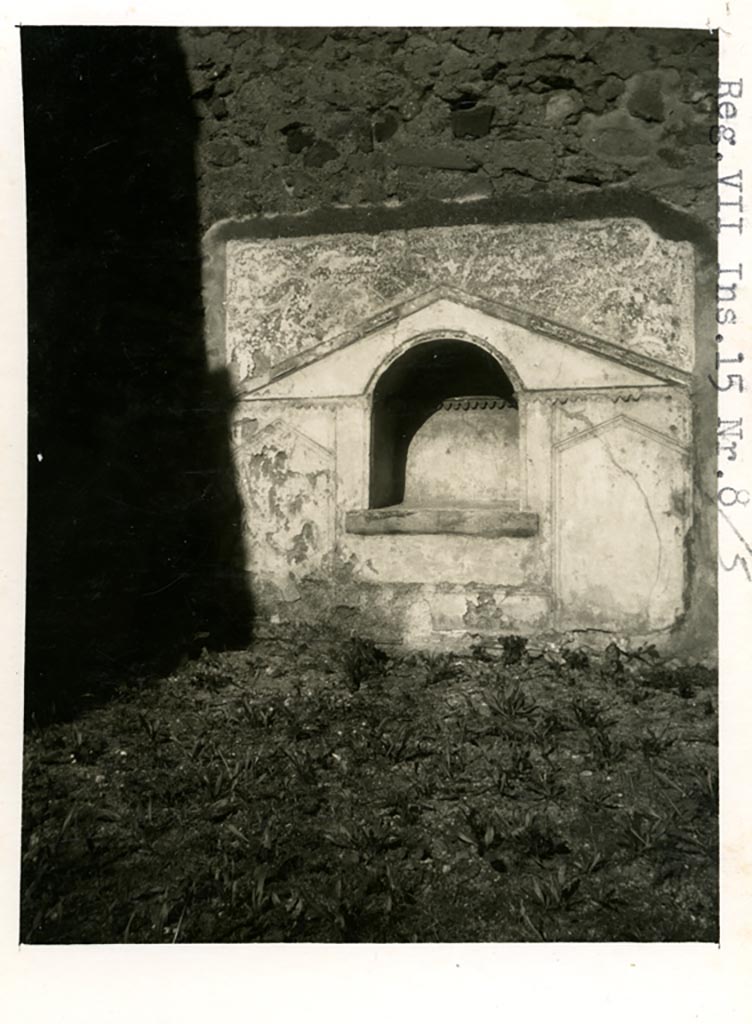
[[444, 430]]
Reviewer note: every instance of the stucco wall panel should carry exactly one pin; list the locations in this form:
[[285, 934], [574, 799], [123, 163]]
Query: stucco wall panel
[[436, 559], [632, 287], [605, 429], [287, 482], [622, 504]]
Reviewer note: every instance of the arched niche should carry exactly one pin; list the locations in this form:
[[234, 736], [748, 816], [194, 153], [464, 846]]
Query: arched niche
[[444, 414]]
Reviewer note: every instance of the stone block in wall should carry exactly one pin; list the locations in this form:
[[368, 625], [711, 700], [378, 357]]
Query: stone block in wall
[[473, 123], [435, 156]]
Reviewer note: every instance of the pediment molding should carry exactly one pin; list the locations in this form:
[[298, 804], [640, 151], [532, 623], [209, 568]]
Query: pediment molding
[[282, 433], [624, 422], [443, 293]]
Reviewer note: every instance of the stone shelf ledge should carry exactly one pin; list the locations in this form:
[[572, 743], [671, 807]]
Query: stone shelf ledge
[[489, 521]]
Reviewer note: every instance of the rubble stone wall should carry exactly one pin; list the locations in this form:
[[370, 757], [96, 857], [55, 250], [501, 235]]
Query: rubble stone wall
[[297, 118]]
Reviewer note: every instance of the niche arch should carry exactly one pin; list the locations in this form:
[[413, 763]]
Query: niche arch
[[421, 382]]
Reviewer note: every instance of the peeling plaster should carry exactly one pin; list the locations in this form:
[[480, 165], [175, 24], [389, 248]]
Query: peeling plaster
[[605, 425]]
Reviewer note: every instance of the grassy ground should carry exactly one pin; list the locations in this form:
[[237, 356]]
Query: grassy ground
[[316, 790]]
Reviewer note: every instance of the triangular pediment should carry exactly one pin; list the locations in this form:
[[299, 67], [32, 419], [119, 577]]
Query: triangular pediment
[[453, 308], [285, 436], [620, 423]]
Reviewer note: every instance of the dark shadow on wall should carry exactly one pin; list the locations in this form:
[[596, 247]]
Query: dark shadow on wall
[[135, 551]]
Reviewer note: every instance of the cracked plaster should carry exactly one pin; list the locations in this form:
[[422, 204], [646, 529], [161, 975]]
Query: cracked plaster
[[605, 425], [632, 287]]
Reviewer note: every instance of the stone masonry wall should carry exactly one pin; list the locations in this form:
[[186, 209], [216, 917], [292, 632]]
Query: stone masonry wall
[[387, 129], [295, 119]]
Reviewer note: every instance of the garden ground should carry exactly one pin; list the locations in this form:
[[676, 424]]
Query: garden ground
[[316, 789]]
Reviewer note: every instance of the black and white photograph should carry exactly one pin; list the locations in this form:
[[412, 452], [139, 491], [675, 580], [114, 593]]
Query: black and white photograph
[[384, 404], [371, 590]]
